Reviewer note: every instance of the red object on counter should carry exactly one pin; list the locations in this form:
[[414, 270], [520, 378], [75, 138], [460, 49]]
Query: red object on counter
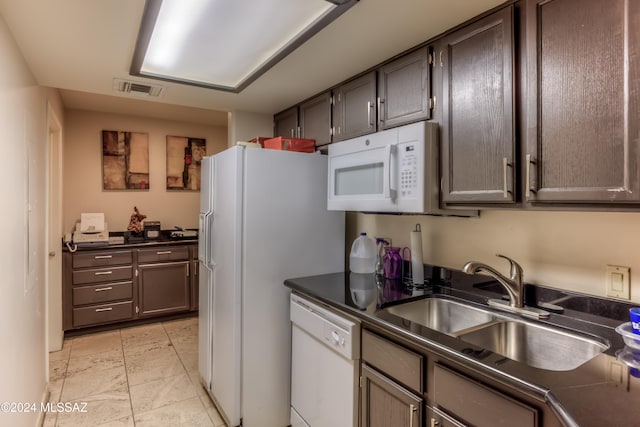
[[291, 144]]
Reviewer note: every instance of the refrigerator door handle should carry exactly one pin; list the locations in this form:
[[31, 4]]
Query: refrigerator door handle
[[210, 261], [203, 232]]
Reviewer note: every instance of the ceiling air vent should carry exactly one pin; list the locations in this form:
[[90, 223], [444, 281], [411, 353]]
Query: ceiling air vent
[[137, 89]]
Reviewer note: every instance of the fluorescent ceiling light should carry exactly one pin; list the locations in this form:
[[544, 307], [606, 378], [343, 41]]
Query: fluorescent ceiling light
[[225, 44]]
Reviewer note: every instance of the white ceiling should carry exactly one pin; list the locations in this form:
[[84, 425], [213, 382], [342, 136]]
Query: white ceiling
[[80, 46]]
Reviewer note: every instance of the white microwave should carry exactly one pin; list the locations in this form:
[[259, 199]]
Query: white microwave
[[395, 171]]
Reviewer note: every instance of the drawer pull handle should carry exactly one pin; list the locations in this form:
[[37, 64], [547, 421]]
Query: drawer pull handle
[[108, 288], [103, 273], [163, 252], [103, 309], [103, 257]]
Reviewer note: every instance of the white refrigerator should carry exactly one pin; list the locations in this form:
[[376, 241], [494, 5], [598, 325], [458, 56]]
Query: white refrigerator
[[263, 219]]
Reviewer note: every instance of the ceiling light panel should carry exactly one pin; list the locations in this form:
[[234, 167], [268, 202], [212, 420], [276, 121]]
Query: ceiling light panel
[[225, 43]]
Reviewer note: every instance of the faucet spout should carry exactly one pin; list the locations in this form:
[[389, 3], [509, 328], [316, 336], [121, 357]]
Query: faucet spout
[[512, 284]]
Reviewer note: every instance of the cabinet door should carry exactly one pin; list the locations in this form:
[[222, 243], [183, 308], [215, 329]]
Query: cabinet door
[[386, 404], [478, 138], [286, 123], [354, 109], [315, 119], [404, 90], [583, 78], [164, 288]]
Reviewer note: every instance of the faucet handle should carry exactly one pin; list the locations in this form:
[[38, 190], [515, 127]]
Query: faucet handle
[[516, 270]]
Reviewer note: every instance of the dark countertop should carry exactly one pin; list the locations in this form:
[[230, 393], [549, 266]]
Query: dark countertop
[[599, 392], [137, 242]]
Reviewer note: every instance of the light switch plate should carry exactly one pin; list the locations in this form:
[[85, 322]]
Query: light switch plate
[[618, 282]]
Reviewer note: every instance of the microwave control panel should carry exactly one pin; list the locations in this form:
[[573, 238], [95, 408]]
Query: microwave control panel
[[408, 161]]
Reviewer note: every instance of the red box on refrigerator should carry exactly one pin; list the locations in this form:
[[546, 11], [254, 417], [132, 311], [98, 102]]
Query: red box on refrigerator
[[291, 144]]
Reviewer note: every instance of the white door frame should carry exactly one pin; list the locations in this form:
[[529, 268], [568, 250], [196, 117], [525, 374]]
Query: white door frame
[[55, 334]]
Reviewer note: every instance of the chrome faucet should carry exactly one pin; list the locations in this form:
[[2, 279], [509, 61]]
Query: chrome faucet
[[513, 284]]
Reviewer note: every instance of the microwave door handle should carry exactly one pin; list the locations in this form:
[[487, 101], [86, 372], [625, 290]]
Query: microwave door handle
[[390, 151]]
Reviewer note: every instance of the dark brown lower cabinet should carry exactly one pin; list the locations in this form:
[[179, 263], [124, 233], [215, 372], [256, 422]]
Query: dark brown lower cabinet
[[385, 403], [469, 402], [402, 385], [164, 288], [113, 286]]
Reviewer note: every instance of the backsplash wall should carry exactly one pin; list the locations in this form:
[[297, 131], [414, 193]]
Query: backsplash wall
[[566, 250], [82, 188]]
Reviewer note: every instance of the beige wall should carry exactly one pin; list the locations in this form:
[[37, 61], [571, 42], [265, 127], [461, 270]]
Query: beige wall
[[83, 171], [23, 255], [568, 250], [245, 125]]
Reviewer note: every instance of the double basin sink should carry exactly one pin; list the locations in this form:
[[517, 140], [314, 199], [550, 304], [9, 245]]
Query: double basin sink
[[537, 345]]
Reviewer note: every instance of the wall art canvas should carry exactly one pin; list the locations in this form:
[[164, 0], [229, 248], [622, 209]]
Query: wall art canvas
[[184, 156], [125, 160]]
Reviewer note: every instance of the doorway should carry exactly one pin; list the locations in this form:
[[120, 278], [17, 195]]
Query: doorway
[[55, 334]]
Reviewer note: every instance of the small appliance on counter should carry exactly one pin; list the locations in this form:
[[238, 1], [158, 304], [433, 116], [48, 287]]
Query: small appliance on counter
[[90, 231], [133, 237], [181, 233], [151, 230]]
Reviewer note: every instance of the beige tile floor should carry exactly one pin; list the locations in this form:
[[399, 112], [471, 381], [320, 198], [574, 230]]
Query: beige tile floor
[[139, 376]]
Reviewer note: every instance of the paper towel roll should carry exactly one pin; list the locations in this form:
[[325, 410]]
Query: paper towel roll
[[417, 267]]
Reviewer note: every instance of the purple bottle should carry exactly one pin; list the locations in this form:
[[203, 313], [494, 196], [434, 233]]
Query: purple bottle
[[392, 263]]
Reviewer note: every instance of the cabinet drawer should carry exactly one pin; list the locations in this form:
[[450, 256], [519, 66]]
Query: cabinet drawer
[[105, 313], [113, 274], [479, 405], [100, 259], [83, 295], [169, 253], [403, 365]]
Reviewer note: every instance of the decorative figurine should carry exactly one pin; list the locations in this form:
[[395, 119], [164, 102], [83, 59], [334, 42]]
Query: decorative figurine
[[135, 223]]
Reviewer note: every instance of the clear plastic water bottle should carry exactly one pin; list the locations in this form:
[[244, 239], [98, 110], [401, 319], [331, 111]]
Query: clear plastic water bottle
[[363, 255]]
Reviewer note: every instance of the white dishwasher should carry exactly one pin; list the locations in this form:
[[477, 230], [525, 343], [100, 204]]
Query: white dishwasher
[[324, 366]]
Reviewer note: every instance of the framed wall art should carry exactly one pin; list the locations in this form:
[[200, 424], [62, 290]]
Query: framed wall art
[[184, 156], [125, 160]]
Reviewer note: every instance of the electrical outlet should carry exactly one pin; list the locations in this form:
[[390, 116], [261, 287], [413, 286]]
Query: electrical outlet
[[618, 285], [618, 374]]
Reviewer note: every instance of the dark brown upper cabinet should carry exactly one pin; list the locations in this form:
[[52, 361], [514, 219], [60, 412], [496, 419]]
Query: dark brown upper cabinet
[[354, 108], [478, 157], [286, 123], [583, 93], [404, 90], [315, 119]]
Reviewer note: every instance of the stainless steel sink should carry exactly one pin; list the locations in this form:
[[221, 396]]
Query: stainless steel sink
[[536, 345], [443, 315]]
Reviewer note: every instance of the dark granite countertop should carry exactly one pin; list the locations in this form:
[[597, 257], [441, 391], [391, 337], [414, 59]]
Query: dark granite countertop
[[137, 242], [599, 392]]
